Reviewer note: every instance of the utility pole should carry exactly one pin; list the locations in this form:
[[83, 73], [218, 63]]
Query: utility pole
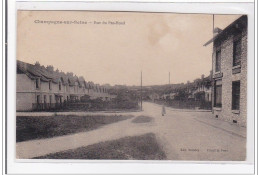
[[141, 91], [212, 88], [169, 78]]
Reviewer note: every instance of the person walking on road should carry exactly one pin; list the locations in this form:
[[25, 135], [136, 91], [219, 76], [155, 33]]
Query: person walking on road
[[163, 110]]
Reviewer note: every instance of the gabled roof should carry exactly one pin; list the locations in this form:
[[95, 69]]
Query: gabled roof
[[72, 80], [81, 81], [90, 84], [65, 79]]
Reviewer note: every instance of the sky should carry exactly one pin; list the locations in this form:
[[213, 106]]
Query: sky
[[104, 51]]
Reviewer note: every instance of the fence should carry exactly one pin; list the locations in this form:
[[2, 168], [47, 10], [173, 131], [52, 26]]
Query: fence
[[47, 106], [85, 106]]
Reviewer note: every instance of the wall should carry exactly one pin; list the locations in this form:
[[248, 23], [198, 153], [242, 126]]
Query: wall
[[25, 92], [24, 101], [24, 83], [226, 112]]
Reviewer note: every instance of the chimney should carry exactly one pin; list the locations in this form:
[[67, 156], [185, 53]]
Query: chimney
[[50, 68], [37, 64], [202, 76], [69, 73], [216, 31]]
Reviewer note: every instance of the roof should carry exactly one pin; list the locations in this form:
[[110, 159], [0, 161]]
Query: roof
[[37, 71], [241, 20], [65, 79], [31, 70], [72, 80], [82, 81]]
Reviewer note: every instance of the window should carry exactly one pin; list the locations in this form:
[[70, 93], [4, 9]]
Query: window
[[218, 60], [50, 99], [235, 95], [38, 99], [49, 85], [44, 99], [59, 85], [38, 83], [218, 94], [237, 52]]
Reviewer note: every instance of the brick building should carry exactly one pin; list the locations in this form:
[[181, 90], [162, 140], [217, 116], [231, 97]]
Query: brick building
[[229, 65], [40, 87]]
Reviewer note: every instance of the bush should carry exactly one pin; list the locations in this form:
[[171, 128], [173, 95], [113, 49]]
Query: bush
[[85, 98]]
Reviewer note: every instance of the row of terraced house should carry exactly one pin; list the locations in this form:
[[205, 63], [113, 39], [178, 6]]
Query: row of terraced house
[[43, 87]]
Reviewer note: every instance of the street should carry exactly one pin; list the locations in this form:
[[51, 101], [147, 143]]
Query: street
[[197, 135], [183, 135]]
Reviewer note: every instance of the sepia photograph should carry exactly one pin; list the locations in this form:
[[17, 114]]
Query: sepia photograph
[[100, 85]]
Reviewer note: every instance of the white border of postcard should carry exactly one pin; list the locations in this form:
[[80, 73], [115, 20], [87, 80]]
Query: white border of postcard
[[130, 167]]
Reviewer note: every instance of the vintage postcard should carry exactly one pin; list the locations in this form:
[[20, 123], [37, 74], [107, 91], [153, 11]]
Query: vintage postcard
[[99, 85]]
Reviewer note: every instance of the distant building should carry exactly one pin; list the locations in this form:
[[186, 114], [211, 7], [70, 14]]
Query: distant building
[[230, 72], [154, 96], [172, 95], [202, 89], [40, 87]]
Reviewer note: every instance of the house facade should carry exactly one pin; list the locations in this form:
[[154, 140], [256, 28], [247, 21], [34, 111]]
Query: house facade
[[230, 72], [43, 88], [202, 89], [154, 97]]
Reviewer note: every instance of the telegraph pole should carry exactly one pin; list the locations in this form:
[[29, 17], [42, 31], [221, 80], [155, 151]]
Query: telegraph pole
[[212, 88], [141, 91], [169, 78]]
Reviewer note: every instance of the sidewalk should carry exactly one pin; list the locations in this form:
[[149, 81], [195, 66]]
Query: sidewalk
[[41, 147], [183, 110], [224, 125]]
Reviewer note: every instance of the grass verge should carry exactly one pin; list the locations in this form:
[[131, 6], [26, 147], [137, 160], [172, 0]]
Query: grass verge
[[30, 128], [142, 119], [144, 147]]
